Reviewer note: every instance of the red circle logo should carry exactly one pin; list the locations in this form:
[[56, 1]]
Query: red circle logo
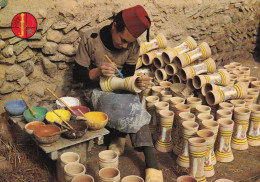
[[24, 25]]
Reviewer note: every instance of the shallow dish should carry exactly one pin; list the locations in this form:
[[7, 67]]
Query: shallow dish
[[30, 127], [98, 120], [42, 133], [15, 107]]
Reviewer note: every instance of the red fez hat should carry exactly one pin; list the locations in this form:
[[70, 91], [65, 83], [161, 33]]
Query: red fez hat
[[136, 20]]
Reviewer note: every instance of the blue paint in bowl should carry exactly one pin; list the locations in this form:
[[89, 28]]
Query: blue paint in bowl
[[15, 107], [40, 113]]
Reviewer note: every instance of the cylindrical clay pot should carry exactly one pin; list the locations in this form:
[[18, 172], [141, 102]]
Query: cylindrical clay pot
[[109, 174], [108, 158], [73, 169], [82, 177], [254, 126], [186, 179], [150, 101], [132, 178], [193, 102]]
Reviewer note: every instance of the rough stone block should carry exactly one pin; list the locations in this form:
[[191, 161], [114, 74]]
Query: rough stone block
[[14, 40], [54, 35], [6, 33], [59, 25], [66, 49], [10, 60], [6, 88], [14, 72], [70, 37], [49, 68], [46, 24], [20, 47], [25, 55], [28, 67], [8, 51], [49, 48]]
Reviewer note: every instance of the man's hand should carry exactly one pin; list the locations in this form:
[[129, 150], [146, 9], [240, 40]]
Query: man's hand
[[107, 69], [143, 82]]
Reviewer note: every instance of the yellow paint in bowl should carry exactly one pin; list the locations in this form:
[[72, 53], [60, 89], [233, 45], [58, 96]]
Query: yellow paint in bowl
[[51, 116], [98, 120]]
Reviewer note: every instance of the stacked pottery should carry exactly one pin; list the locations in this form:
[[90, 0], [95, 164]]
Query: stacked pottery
[[166, 96], [148, 91], [238, 103], [193, 102], [233, 79], [204, 116], [179, 108], [109, 174], [209, 87], [236, 64], [252, 79], [158, 61], [156, 90], [112, 83], [249, 101], [239, 74], [229, 68], [246, 71], [226, 106], [219, 78], [176, 100], [202, 51], [160, 74], [150, 101], [222, 113], [254, 126], [159, 106], [169, 54], [254, 93], [171, 69], [197, 148], [166, 85], [73, 169], [202, 109], [223, 151], [208, 135], [189, 129], [132, 178], [186, 179], [213, 126], [164, 141], [176, 78], [255, 84], [158, 42], [108, 158], [208, 66], [241, 119]]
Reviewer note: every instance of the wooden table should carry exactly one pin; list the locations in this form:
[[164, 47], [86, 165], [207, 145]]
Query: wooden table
[[80, 146]]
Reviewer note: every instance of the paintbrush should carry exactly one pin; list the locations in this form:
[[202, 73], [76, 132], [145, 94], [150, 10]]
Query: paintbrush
[[120, 74]]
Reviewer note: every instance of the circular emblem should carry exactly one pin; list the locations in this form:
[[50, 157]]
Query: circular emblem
[[24, 25]]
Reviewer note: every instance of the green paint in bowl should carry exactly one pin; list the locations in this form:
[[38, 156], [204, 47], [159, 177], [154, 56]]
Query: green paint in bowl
[[40, 113]]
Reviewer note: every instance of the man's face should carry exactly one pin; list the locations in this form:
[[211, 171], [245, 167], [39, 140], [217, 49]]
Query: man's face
[[121, 39]]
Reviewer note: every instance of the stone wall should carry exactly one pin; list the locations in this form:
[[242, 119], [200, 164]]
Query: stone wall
[[28, 67]]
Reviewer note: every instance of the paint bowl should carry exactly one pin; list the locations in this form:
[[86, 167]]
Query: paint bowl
[[97, 120], [70, 101], [51, 116], [30, 127], [15, 107], [40, 113], [42, 133], [83, 109], [80, 128]]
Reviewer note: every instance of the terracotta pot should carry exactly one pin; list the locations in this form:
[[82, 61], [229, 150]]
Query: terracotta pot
[[202, 51], [73, 169], [164, 141], [176, 100], [241, 119], [238, 103], [158, 42], [112, 83], [223, 113], [169, 55], [160, 74], [253, 136], [254, 93], [213, 126], [176, 78], [219, 78], [150, 101], [204, 116], [223, 150], [193, 102], [171, 69], [82, 177], [166, 96], [238, 91], [109, 174], [226, 106], [156, 90], [108, 158], [197, 148], [208, 135], [186, 179], [207, 66], [132, 178], [165, 84], [199, 109], [236, 64], [189, 129], [246, 71]]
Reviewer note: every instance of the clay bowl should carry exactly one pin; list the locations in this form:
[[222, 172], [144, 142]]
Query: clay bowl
[[15, 107], [80, 126], [42, 133], [98, 120], [40, 113], [51, 116], [30, 127], [82, 108], [70, 101]]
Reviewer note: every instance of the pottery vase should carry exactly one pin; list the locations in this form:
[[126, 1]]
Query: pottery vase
[[189, 129], [193, 102], [219, 78], [202, 51], [238, 91], [150, 101], [112, 83], [208, 135], [207, 66], [239, 137], [164, 141], [213, 126], [253, 136], [158, 42], [169, 54], [197, 148], [223, 150]]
